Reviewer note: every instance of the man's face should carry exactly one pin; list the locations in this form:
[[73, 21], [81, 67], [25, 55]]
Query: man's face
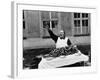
[[62, 35]]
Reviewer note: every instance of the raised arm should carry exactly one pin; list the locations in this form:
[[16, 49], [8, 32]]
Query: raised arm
[[69, 42], [52, 35]]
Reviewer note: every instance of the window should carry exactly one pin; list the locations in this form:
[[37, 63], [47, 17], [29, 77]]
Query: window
[[54, 15], [84, 15], [45, 15], [46, 23], [49, 18], [85, 23], [54, 23], [76, 15], [81, 23], [77, 23]]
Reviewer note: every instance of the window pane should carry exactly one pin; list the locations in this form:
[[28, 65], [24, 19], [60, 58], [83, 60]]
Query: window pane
[[84, 15], [46, 24], [45, 15], [54, 23], [77, 23], [84, 22], [87, 15], [54, 15], [76, 15]]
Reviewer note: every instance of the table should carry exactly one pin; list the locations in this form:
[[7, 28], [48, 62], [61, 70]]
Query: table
[[61, 61]]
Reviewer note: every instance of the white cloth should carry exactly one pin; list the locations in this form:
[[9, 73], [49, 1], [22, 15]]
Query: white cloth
[[58, 62], [61, 42]]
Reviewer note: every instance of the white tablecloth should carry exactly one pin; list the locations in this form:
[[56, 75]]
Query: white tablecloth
[[67, 60]]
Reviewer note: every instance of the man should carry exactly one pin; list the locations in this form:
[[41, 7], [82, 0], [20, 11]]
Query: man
[[61, 40], [63, 44]]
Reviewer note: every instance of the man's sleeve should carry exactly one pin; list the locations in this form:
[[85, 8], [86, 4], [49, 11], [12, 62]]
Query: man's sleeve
[[69, 42], [53, 36]]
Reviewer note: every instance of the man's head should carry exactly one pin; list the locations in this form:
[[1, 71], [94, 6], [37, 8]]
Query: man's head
[[62, 34]]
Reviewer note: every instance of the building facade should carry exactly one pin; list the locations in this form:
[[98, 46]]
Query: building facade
[[74, 24]]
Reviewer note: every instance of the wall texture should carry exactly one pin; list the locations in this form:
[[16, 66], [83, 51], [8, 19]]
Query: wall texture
[[32, 25], [66, 23]]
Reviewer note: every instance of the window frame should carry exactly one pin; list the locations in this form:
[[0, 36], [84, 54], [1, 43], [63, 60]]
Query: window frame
[[81, 26], [50, 19]]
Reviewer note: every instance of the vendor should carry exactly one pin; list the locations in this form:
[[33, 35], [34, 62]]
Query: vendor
[[63, 44], [61, 40]]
